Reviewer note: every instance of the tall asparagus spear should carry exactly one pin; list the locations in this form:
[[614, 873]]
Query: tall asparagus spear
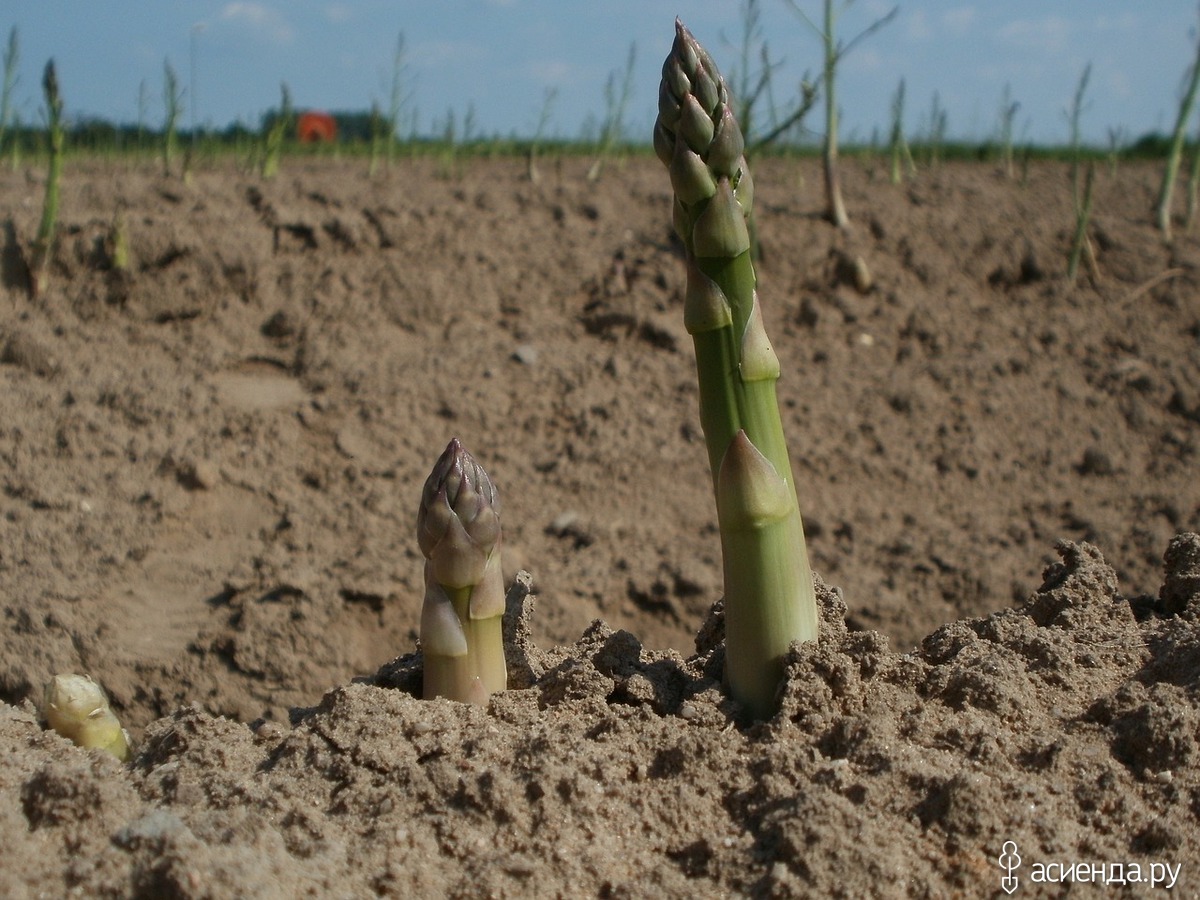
[[458, 528], [769, 597]]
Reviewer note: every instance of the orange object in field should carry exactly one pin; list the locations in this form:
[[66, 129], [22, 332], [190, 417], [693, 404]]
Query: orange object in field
[[316, 126]]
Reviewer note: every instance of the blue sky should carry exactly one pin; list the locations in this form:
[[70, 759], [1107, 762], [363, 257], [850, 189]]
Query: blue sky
[[501, 57]]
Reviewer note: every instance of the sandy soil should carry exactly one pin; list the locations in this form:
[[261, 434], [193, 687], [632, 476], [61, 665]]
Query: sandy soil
[[210, 472]]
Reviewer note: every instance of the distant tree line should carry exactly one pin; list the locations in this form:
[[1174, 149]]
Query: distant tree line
[[95, 133], [356, 127]]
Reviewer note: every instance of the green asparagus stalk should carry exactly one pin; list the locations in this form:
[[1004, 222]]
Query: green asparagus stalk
[[1083, 215], [75, 707], [458, 528], [119, 244], [769, 597], [1175, 154], [376, 124], [10, 57], [275, 134], [43, 244], [173, 104]]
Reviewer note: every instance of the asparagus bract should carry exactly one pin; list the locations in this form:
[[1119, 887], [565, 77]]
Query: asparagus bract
[[458, 528], [76, 708], [769, 597]]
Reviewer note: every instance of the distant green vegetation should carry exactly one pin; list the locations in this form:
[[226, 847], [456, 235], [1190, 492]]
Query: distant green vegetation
[[101, 137]]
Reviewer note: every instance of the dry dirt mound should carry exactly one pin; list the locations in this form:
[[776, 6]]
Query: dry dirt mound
[[1067, 727]]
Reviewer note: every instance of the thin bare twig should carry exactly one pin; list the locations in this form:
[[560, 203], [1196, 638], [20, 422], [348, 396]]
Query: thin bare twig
[[1147, 286]]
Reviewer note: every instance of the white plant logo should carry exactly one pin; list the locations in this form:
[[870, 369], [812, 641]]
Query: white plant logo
[[1010, 860]]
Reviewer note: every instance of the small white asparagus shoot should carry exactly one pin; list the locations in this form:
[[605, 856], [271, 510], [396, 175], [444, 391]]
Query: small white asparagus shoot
[[76, 708]]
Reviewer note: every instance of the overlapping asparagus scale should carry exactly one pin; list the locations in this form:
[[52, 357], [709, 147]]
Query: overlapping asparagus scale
[[769, 597], [458, 529]]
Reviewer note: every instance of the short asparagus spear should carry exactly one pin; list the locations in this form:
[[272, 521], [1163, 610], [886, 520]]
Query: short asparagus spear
[[76, 708], [458, 528], [769, 597]]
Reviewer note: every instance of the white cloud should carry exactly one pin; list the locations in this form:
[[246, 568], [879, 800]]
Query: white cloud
[[918, 26], [1124, 23], [338, 12], [550, 72], [438, 54], [1119, 84], [1048, 35], [261, 18], [958, 21], [863, 59]]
